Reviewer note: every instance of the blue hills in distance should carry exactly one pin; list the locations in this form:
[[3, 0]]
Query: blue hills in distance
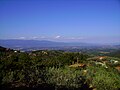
[[38, 43], [28, 43], [13, 43]]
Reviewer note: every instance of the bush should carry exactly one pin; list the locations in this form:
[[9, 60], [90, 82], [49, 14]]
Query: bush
[[103, 79], [67, 77]]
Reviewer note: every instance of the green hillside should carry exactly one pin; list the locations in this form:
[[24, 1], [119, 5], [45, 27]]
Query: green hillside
[[58, 70]]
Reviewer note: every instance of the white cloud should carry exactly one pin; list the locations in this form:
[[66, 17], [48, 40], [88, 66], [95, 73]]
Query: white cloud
[[42, 37], [80, 38], [21, 37], [74, 38], [57, 37], [35, 37]]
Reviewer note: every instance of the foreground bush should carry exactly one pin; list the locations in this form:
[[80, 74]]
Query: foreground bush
[[68, 77], [51, 70], [103, 79]]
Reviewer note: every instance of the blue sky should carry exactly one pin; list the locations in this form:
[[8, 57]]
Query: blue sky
[[95, 21]]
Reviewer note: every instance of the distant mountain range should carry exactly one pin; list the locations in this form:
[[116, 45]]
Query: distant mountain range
[[13, 43]]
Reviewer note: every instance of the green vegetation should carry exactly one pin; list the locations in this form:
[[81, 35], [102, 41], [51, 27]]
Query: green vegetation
[[46, 69], [103, 79]]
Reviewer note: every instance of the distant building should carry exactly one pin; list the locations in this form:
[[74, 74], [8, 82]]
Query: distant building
[[102, 57], [15, 51]]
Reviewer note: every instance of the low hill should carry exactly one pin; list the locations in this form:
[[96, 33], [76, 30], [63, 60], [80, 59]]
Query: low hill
[[12, 43]]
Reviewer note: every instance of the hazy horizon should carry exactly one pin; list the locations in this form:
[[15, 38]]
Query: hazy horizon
[[89, 21]]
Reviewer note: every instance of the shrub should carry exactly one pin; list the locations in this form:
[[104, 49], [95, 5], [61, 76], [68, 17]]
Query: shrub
[[64, 77], [103, 79]]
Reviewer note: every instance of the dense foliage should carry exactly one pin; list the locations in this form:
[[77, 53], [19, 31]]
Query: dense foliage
[[50, 69]]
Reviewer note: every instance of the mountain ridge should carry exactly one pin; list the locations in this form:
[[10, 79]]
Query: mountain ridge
[[39, 43]]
